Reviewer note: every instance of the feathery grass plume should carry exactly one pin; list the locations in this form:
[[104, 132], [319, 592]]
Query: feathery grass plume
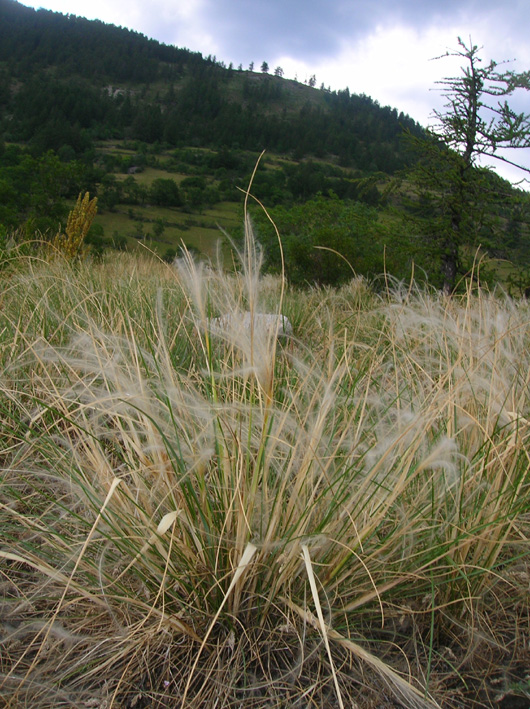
[[467, 360], [70, 243], [187, 521]]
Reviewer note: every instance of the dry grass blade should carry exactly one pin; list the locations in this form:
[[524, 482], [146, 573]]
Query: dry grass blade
[[323, 628], [402, 689]]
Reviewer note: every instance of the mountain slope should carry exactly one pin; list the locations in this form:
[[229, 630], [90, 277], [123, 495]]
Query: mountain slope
[[62, 72]]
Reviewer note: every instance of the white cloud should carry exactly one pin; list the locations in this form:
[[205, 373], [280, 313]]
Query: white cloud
[[391, 64]]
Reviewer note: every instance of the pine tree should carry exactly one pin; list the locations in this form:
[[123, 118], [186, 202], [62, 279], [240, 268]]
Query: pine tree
[[476, 122]]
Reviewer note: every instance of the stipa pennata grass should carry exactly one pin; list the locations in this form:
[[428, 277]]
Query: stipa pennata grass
[[464, 355], [241, 507]]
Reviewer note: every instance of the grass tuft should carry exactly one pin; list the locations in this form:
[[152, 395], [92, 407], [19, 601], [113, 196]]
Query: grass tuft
[[202, 521]]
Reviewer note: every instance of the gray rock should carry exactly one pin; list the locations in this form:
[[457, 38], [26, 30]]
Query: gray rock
[[264, 323]]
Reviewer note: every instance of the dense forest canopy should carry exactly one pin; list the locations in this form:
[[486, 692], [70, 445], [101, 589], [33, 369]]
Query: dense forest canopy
[[36, 39]]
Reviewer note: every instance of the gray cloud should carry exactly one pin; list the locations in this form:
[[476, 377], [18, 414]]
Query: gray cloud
[[306, 30], [315, 29]]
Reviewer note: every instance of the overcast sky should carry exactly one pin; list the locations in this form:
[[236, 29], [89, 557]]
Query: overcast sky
[[382, 48]]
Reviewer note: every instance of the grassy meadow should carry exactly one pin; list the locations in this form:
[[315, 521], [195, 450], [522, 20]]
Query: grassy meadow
[[196, 231], [337, 519], [134, 221]]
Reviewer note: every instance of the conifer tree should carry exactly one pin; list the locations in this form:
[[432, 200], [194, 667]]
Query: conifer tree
[[476, 122]]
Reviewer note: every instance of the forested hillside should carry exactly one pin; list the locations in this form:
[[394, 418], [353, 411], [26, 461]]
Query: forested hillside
[[166, 139], [84, 80]]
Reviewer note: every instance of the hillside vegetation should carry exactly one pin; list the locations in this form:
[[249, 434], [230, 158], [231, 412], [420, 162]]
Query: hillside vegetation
[[167, 139], [66, 81]]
